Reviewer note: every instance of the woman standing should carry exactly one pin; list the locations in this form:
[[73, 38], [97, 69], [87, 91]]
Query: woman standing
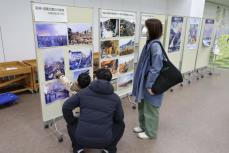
[[148, 69]]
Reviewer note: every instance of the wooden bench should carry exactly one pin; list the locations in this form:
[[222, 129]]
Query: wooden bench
[[15, 73]]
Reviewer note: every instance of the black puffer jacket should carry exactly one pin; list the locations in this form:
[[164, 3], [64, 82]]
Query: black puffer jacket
[[100, 108]]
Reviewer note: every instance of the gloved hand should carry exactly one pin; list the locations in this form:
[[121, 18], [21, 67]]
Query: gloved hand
[[58, 74]]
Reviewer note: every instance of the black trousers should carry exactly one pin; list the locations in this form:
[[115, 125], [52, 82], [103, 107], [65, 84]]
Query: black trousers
[[117, 132], [71, 130]]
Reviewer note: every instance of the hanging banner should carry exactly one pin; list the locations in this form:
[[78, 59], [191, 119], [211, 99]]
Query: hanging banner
[[175, 34], [49, 13], [208, 29], [193, 33]]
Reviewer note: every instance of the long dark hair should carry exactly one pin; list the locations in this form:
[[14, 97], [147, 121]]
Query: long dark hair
[[154, 27]]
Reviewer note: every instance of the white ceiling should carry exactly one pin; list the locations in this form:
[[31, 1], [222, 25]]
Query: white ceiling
[[222, 2]]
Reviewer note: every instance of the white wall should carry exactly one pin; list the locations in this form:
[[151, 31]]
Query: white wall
[[17, 35], [222, 22], [17, 28], [155, 6], [210, 10], [179, 7], [197, 8], [60, 2], [147, 6], [192, 8]]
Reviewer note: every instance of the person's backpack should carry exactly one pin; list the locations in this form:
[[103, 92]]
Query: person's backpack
[[169, 75]]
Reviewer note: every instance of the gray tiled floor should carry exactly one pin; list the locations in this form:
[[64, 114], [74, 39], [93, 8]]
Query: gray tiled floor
[[194, 119]]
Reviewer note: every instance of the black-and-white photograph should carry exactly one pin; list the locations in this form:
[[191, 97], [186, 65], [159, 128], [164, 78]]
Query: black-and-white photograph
[[109, 28], [127, 28]]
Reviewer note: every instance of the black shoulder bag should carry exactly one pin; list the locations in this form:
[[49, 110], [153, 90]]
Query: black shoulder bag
[[169, 75]]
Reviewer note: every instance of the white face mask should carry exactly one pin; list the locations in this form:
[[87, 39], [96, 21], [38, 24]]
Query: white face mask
[[145, 31]]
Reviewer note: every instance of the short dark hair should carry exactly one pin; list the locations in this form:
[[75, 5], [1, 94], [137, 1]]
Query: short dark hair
[[154, 27], [103, 74], [84, 80]]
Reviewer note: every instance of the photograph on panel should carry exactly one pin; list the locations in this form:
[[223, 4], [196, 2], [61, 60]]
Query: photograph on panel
[[109, 28], [112, 65], [125, 81], [126, 46], [49, 35], [126, 64], [175, 34], [79, 59], [53, 62], [193, 33], [114, 84], [78, 72], [55, 91], [208, 29], [109, 48], [127, 27], [80, 34]]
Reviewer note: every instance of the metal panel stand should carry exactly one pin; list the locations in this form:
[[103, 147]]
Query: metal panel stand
[[131, 102], [187, 79], [53, 126], [202, 72], [212, 65]]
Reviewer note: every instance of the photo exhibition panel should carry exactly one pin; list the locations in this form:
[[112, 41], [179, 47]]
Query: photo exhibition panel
[[117, 47], [174, 40], [192, 38], [63, 44], [206, 42]]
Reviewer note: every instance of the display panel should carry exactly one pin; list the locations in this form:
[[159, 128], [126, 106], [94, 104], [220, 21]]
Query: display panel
[[63, 45], [191, 42], [117, 45]]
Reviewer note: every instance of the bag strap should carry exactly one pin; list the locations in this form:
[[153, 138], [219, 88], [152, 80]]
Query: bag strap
[[162, 48]]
